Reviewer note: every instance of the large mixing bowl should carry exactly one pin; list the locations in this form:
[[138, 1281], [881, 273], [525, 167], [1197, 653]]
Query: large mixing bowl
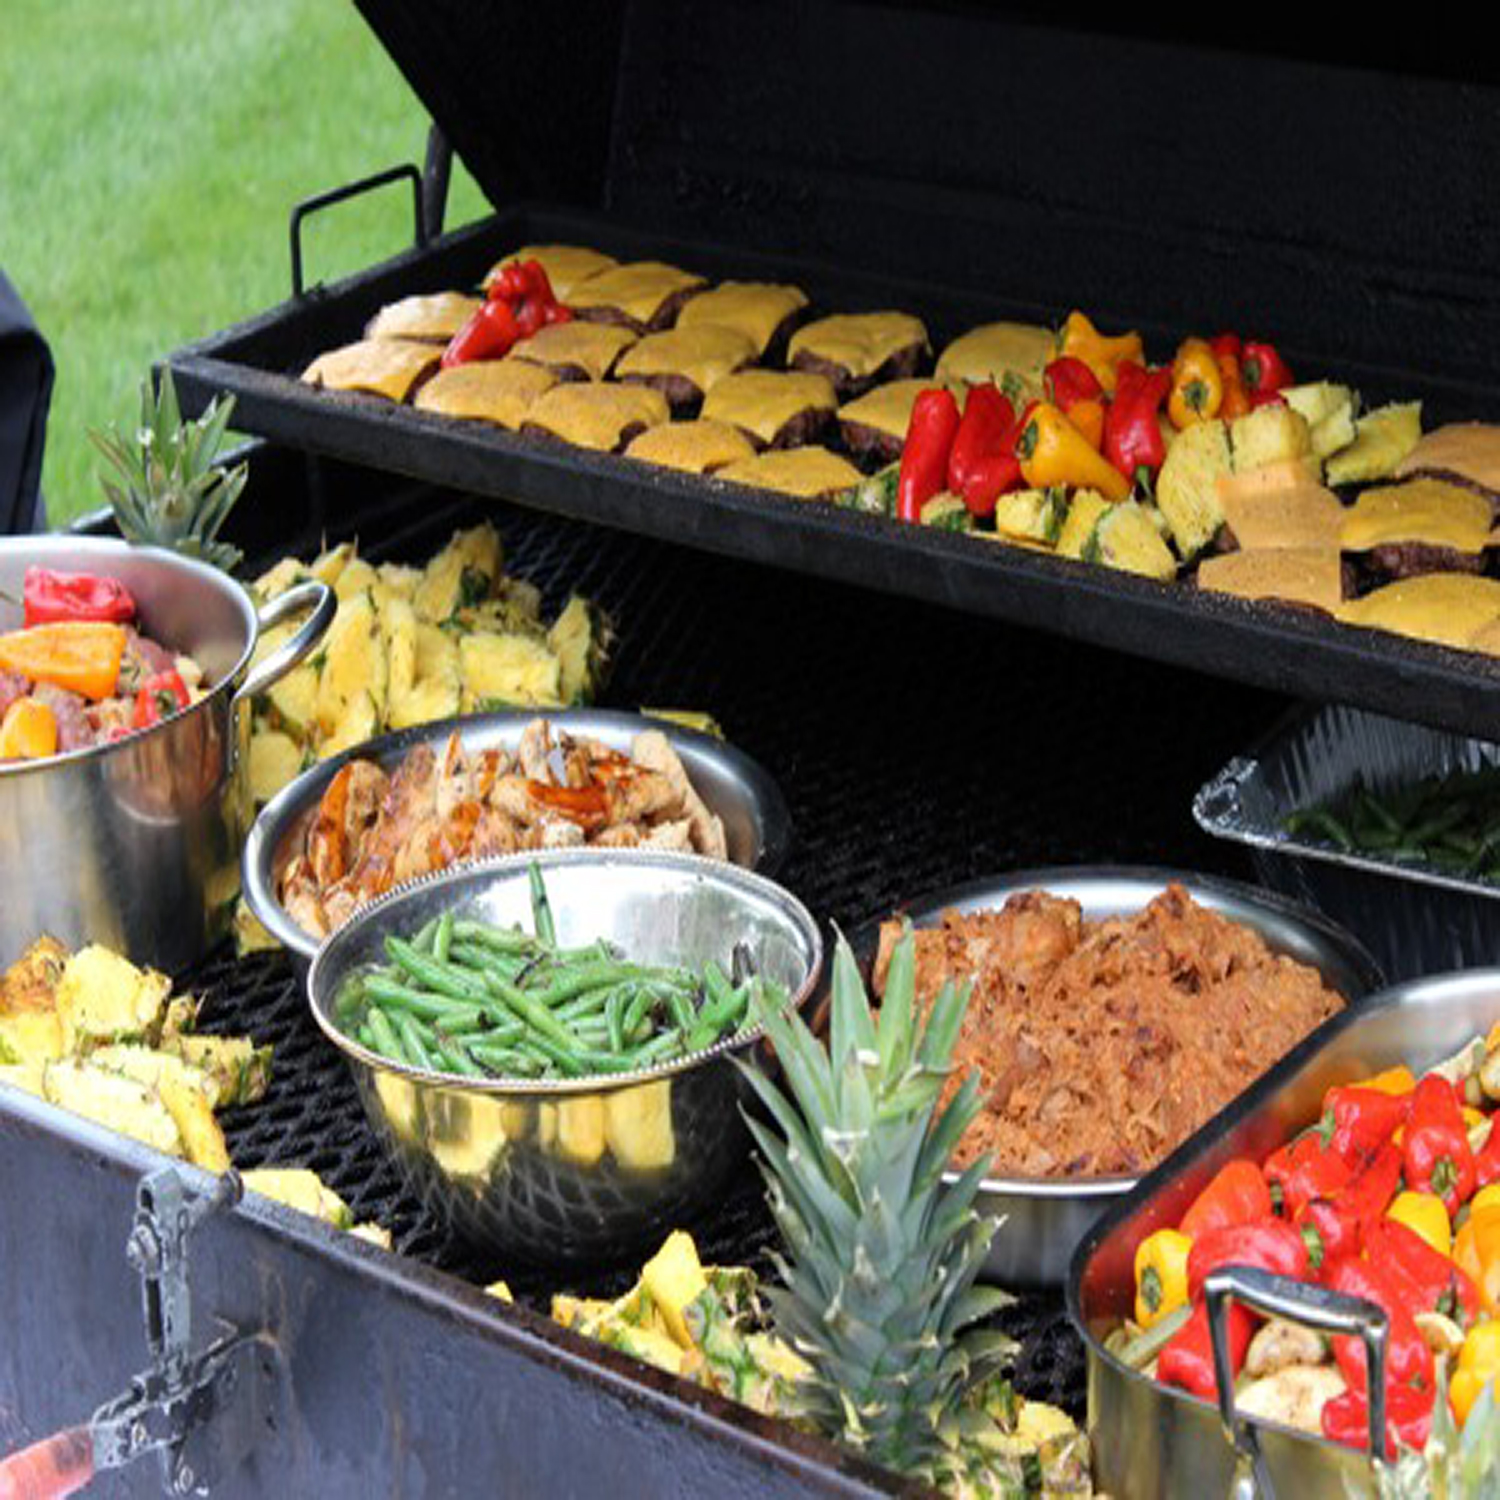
[[136, 844], [578, 1169]]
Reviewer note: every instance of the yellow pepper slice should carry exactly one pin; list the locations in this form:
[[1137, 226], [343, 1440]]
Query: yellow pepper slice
[[1478, 1364], [1486, 1197], [1426, 1215], [1476, 1252], [1053, 451], [1161, 1275], [81, 656], [29, 731], [1100, 352], [1393, 1081]]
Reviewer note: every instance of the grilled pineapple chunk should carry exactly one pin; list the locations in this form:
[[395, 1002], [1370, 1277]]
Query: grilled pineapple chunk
[[356, 577], [579, 639], [353, 663], [1085, 511], [151, 1068], [1031, 516], [276, 581], [431, 699], [1269, 435], [102, 997], [674, 1277], [294, 700], [305, 1191], [329, 565], [1187, 488], [505, 669], [396, 581], [1319, 400], [31, 1036], [359, 722], [114, 1101], [275, 759], [1334, 433], [193, 1115], [31, 982], [398, 627], [463, 573], [234, 1070], [1381, 440], [1127, 538]]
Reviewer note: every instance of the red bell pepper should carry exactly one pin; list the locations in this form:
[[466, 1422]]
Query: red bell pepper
[[1268, 1244], [1336, 1226], [1357, 1122], [982, 462], [1133, 440], [1238, 1193], [1430, 1281], [490, 333], [49, 597], [521, 279], [1408, 1359], [1487, 1159], [1302, 1170], [924, 456], [1263, 369], [1068, 380], [1408, 1419], [159, 697], [1436, 1149], [1188, 1360]]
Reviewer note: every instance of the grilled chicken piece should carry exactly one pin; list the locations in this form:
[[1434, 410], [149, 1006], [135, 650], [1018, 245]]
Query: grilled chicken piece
[[654, 751]]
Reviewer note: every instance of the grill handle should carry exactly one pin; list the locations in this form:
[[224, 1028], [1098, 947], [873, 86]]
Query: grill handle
[[56, 1466], [319, 201], [1298, 1302]]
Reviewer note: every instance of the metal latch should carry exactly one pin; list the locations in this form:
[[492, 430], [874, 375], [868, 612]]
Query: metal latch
[[170, 1401]]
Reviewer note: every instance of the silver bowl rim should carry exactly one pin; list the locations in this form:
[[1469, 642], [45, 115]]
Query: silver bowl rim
[[275, 819], [1050, 877], [716, 871], [64, 546]]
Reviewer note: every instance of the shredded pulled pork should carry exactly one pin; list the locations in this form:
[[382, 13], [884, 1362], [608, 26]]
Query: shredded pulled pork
[[1101, 1046], [372, 830]]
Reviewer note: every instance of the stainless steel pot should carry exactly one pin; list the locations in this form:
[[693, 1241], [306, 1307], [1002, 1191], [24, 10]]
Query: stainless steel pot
[[1045, 1218], [136, 844]]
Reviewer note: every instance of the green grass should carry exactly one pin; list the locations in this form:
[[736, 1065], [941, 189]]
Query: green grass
[[152, 153]]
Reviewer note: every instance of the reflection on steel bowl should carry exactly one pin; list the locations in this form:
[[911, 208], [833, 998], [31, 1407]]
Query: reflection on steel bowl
[[583, 1168]]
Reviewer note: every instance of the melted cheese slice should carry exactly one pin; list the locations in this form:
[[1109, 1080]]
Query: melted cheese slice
[[1423, 510], [591, 414], [1449, 608], [636, 290], [501, 391], [996, 350], [858, 342], [1298, 515], [887, 408], [808, 473], [701, 355], [1471, 449], [755, 308], [380, 367], [764, 401], [436, 318], [697, 447], [1294, 575], [566, 265], [590, 347]]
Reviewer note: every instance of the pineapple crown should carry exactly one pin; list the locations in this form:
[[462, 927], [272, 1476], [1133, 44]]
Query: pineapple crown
[[880, 1254], [1452, 1466], [174, 495]]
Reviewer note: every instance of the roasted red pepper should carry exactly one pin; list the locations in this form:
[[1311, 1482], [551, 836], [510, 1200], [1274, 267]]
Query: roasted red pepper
[[1267, 1244], [1408, 1419], [1436, 1149], [50, 597], [1263, 370], [1487, 1160], [1336, 1226], [1238, 1194], [490, 333], [160, 696], [522, 279], [1408, 1359], [924, 456], [1357, 1122], [519, 303], [1430, 1281], [1188, 1360], [1302, 1170], [982, 462], [1133, 440]]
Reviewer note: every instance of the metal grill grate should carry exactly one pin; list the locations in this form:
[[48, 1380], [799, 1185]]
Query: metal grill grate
[[917, 748]]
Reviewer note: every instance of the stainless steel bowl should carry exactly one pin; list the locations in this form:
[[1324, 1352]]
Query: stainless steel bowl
[[757, 826], [578, 1169], [1046, 1218], [136, 844]]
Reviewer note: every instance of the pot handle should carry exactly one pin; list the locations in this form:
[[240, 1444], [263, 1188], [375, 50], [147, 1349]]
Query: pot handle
[[47, 1470], [312, 595], [1298, 1302]]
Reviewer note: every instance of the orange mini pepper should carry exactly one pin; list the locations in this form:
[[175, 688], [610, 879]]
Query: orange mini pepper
[[1197, 384], [1476, 1252], [1053, 451], [29, 731], [1100, 352], [80, 656]]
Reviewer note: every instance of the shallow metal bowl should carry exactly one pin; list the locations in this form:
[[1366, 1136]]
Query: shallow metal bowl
[[1045, 1218], [757, 826], [575, 1169]]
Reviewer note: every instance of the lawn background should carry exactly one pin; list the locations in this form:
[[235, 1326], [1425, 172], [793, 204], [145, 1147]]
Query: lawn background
[[151, 154]]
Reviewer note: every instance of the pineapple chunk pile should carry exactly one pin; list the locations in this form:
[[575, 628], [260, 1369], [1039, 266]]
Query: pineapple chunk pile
[[412, 645]]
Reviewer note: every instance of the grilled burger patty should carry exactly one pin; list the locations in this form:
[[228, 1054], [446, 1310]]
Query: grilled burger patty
[[684, 363], [856, 351], [774, 409], [593, 414], [873, 426], [766, 312], [645, 296]]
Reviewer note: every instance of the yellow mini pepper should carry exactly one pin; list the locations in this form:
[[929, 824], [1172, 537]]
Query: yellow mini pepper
[[1161, 1275], [1478, 1364], [82, 656], [1476, 1252], [1393, 1081], [1197, 384], [1426, 1215], [1486, 1197], [29, 731], [1053, 451], [1102, 354]]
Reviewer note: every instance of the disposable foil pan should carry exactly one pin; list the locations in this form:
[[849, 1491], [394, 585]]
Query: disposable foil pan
[[1415, 921]]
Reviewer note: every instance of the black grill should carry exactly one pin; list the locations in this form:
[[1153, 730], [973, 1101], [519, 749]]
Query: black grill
[[917, 748]]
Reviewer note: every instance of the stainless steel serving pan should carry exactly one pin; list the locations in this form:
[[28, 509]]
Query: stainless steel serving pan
[[586, 1168], [136, 844], [1153, 1442], [1046, 1218], [757, 826]]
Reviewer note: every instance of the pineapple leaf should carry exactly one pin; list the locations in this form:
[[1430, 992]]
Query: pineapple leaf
[[896, 1019], [851, 1028], [940, 1036]]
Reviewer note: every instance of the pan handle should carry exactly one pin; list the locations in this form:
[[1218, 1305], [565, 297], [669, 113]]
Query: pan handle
[[56, 1466], [311, 595], [1298, 1302]]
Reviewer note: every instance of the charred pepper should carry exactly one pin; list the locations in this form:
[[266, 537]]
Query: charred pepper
[[1268, 1244], [1238, 1193], [1436, 1149], [1357, 1122], [50, 596], [81, 656], [1302, 1170], [1053, 451], [982, 463], [930, 433], [1133, 439], [1430, 1281], [1236, 402], [160, 696], [1335, 1226], [1476, 1252]]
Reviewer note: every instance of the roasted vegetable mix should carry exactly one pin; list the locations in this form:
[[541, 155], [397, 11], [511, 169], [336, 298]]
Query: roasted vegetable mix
[[466, 997]]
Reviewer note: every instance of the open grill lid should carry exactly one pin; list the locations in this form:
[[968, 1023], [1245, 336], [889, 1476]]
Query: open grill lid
[[1172, 182]]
